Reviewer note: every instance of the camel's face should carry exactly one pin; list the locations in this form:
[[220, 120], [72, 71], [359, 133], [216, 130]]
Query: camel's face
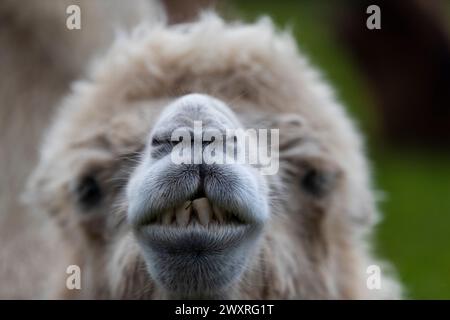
[[142, 225], [180, 230]]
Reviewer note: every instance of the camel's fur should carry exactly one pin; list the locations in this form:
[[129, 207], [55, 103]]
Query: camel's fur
[[314, 246], [39, 58]]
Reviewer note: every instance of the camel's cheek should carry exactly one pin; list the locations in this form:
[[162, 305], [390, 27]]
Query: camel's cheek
[[126, 272]]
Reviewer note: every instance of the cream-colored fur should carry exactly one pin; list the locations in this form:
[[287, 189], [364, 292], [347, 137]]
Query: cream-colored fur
[[39, 58], [313, 247]]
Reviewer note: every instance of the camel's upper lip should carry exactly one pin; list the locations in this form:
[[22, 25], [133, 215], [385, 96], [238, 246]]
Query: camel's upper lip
[[195, 213]]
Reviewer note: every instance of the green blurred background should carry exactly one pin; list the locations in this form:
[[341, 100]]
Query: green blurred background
[[414, 178]]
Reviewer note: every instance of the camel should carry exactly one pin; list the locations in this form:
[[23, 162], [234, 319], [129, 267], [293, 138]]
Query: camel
[[142, 227]]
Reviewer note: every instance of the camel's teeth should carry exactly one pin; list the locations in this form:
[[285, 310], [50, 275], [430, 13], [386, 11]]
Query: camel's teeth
[[183, 214], [167, 217], [203, 210], [218, 214]]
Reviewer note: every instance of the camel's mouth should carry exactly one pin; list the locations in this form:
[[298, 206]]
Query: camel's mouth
[[196, 227], [196, 213], [196, 248]]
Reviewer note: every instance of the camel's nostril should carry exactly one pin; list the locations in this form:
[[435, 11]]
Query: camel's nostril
[[156, 142]]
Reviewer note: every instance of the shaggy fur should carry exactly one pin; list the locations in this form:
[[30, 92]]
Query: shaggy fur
[[39, 58], [315, 244]]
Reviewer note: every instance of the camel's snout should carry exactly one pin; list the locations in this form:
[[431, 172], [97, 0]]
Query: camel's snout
[[192, 123], [191, 154], [195, 219]]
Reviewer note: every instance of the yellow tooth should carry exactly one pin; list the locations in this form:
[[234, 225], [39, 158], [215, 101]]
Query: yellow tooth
[[167, 217], [203, 209], [218, 214], [183, 214]]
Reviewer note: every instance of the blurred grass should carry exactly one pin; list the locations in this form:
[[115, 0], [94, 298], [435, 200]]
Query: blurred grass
[[415, 231]]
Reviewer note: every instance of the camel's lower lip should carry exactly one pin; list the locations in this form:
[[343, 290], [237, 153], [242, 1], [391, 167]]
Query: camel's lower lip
[[194, 237], [196, 259]]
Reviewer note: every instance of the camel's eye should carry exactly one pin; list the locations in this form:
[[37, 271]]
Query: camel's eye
[[88, 192], [316, 182]]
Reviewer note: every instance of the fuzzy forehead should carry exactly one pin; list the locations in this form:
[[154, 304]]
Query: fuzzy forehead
[[249, 66]]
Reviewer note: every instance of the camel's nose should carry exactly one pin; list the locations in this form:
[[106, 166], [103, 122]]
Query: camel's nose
[[191, 123], [187, 127], [195, 111]]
